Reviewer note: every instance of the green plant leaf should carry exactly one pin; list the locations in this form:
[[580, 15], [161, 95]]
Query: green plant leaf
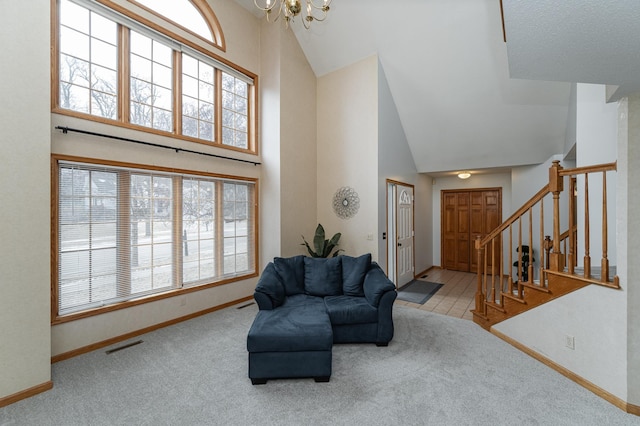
[[319, 242], [336, 253], [321, 246], [311, 252], [330, 244]]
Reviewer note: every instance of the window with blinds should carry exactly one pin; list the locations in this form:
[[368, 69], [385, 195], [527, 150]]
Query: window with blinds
[[125, 233]]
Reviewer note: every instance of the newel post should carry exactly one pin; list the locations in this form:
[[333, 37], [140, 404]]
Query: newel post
[[481, 307], [556, 186]]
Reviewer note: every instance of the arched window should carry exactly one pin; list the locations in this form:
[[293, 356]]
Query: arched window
[[195, 16], [137, 68]]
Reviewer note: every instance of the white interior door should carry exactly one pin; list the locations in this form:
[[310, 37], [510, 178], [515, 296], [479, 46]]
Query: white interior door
[[391, 231], [404, 235]]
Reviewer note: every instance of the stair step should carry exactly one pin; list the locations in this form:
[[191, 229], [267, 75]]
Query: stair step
[[596, 272], [559, 284], [514, 297], [496, 306], [535, 287]]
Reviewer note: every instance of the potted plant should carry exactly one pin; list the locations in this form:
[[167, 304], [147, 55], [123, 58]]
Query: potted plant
[[322, 246]]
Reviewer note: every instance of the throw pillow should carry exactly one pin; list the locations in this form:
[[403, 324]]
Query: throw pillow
[[291, 271], [271, 285], [323, 277], [353, 271]]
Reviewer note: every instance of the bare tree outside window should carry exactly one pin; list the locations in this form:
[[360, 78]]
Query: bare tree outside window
[[91, 66], [109, 252], [88, 62], [151, 83], [234, 111]]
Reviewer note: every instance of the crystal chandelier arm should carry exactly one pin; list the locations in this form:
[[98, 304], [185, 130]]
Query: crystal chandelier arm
[[268, 5], [324, 6], [289, 9]]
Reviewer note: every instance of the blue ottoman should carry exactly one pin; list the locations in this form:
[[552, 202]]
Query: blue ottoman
[[291, 342]]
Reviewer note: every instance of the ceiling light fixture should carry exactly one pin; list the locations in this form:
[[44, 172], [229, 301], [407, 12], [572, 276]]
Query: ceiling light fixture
[[464, 175], [292, 8]]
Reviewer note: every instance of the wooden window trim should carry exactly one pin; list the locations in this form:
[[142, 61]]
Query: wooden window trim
[[58, 319]]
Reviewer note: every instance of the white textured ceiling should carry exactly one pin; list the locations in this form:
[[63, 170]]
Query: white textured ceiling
[[586, 41], [446, 65]]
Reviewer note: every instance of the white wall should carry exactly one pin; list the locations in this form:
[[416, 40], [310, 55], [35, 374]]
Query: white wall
[[25, 349], [494, 180], [347, 152], [628, 227], [570, 135], [596, 133], [395, 162], [595, 316]]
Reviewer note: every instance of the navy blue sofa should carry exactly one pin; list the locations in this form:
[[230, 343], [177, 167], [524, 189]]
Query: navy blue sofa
[[308, 304]]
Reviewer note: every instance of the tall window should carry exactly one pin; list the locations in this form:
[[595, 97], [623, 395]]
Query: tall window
[[124, 233], [235, 111], [151, 65], [88, 62], [173, 88], [198, 98]]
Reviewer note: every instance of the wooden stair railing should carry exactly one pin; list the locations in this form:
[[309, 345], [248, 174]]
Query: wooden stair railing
[[501, 294]]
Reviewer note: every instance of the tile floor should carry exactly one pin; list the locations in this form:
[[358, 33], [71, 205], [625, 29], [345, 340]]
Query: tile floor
[[455, 298]]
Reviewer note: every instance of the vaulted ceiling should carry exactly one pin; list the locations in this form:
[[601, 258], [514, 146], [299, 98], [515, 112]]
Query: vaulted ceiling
[[466, 99]]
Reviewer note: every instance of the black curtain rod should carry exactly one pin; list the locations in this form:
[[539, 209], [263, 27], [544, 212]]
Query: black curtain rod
[[65, 130]]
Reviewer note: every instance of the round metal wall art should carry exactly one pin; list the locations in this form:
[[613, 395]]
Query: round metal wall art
[[346, 202]]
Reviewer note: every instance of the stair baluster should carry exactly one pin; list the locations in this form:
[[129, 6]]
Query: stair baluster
[[496, 299]]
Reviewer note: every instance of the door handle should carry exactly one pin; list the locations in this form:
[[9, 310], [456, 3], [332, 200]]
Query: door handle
[[399, 245]]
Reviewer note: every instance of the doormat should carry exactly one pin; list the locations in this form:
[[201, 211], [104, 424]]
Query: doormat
[[418, 291]]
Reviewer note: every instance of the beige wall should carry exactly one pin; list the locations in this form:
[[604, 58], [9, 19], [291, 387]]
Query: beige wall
[[298, 159], [270, 211], [288, 123], [24, 201], [348, 152]]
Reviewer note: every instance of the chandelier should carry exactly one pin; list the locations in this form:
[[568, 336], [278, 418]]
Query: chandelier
[[289, 9]]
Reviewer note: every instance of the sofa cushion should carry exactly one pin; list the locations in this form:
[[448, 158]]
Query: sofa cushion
[[291, 271], [291, 329], [353, 272], [350, 310], [322, 276], [302, 300], [271, 285]]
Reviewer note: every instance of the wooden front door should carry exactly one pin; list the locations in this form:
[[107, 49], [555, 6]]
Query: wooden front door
[[465, 216]]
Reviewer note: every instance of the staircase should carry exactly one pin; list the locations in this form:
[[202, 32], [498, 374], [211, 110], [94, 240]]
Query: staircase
[[502, 294]]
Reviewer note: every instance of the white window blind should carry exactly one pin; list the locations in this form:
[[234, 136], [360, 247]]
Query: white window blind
[[127, 233]]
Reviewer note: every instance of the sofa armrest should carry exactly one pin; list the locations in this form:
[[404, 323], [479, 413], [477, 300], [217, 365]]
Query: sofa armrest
[[385, 318], [269, 293], [376, 284], [263, 301]]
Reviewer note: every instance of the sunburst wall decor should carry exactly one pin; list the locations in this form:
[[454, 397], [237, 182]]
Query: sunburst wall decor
[[346, 202]]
